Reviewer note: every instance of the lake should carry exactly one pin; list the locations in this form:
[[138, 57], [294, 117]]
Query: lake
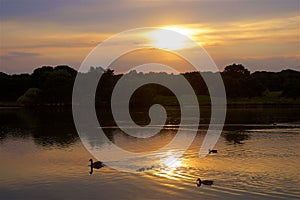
[[42, 157]]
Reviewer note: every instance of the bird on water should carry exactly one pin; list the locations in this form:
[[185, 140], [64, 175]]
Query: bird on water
[[212, 151], [97, 164], [204, 182]]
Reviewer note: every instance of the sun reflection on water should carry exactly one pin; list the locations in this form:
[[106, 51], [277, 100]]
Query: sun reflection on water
[[172, 162], [170, 167]]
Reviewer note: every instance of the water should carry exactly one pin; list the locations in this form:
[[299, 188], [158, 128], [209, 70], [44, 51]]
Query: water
[[42, 157]]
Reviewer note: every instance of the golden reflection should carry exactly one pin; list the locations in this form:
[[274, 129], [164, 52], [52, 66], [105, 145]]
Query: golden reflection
[[172, 162], [170, 167]]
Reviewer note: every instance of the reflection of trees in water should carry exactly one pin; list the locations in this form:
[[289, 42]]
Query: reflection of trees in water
[[236, 137], [55, 126], [15, 123], [262, 115], [60, 141], [47, 127]]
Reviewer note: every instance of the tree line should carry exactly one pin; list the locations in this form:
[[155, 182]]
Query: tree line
[[49, 85]]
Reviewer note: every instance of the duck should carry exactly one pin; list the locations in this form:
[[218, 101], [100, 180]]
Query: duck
[[97, 164], [212, 151], [237, 142], [205, 182]]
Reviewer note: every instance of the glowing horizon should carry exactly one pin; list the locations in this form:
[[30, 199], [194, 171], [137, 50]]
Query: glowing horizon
[[176, 39], [259, 35]]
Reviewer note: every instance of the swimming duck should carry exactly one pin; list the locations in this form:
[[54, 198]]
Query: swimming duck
[[212, 151], [97, 164], [205, 182]]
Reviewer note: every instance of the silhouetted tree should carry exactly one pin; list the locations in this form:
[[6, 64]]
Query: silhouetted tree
[[57, 87], [70, 70], [236, 70], [270, 80], [105, 87], [49, 85], [197, 82], [13, 86], [31, 97], [239, 83], [291, 83]]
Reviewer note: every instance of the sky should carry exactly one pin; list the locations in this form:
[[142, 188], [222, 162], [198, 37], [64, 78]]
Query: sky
[[260, 34]]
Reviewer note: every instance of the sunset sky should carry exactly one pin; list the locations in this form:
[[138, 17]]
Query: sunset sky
[[260, 34]]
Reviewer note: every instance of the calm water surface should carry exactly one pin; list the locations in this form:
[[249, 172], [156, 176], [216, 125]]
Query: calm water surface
[[42, 157]]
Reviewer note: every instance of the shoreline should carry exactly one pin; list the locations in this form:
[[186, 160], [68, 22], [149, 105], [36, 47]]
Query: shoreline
[[229, 105]]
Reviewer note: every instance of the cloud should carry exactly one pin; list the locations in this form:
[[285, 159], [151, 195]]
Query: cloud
[[24, 54], [93, 15], [271, 29], [13, 55]]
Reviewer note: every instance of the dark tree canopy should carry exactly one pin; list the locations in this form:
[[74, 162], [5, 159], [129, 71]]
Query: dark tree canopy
[[236, 70], [240, 83], [54, 85]]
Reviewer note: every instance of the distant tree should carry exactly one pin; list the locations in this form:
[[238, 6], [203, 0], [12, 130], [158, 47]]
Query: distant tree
[[105, 86], [250, 87], [3, 75], [31, 97], [13, 86], [96, 69], [54, 85], [270, 80], [197, 82], [58, 86], [144, 96], [4, 79], [291, 83], [288, 75], [41, 70], [40, 75], [292, 89], [236, 70], [70, 70], [239, 83]]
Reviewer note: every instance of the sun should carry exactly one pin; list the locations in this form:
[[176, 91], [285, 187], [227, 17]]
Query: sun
[[171, 38]]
